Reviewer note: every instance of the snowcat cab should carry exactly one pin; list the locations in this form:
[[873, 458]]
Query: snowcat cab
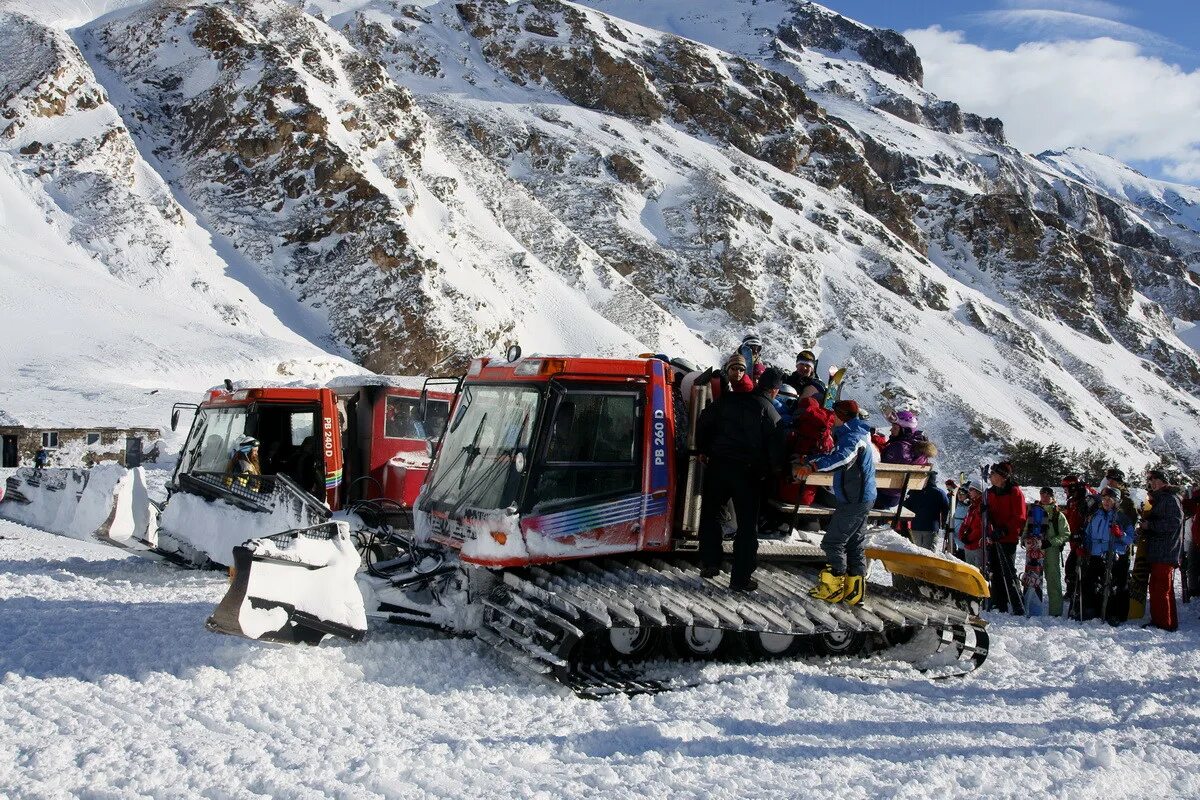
[[558, 523], [364, 440]]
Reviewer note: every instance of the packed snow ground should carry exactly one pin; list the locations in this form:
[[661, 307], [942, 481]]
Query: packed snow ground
[[112, 688]]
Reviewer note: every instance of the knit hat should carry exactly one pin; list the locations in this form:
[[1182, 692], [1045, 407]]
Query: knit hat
[[751, 340], [770, 379], [846, 409], [735, 360], [906, 419], [1004, 469], [1157, 475]]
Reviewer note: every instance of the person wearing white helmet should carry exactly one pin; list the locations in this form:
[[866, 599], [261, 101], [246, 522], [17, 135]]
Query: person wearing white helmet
[[785, 404], [245, 457]]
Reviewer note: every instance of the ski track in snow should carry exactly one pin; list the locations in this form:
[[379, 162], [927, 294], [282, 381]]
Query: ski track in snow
[[112, 688]]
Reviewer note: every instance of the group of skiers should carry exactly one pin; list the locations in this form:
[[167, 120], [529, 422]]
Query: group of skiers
[[766, 432], [1118, 557]]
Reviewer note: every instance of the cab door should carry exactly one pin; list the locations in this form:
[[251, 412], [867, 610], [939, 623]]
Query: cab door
[[585, 494]]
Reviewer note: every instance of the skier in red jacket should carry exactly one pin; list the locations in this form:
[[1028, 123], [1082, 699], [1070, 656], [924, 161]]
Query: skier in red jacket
[[811, 436], [971, 532], [1006, 516]]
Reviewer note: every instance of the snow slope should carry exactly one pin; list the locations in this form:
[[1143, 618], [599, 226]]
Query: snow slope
[[84, 348], [112, 688]]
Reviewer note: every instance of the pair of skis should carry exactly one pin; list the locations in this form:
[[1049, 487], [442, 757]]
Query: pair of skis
[[833, 388], [1109, 559], [992, 550], [1033, 578]]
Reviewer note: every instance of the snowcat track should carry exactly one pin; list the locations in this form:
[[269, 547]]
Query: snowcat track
[[549, 619]]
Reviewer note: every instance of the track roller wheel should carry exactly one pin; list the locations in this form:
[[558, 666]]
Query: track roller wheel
[[631, 644], [699, 643], [773, 645], [839, 643]]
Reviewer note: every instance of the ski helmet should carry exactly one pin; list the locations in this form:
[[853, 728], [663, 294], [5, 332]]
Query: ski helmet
[[787, 390], [246, 444]]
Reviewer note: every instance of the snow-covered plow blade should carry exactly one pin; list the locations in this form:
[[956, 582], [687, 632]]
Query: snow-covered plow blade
[[296, 586], [106, 502], [211, 513]]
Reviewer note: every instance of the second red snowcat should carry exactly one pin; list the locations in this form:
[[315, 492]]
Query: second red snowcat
[[361, 443], [558, 523]]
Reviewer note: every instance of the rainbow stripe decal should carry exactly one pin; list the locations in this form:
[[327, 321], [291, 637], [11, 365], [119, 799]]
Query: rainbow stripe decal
[[333, 479], [580, 520]]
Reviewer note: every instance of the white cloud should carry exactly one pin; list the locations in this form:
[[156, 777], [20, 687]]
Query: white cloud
[[1095, 8], [1053, 23], [1103, 94]]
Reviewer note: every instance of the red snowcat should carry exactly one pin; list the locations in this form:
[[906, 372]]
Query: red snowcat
[[558, 523]]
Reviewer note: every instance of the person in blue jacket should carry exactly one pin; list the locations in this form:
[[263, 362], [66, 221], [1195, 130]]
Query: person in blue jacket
[[1107, 529], [853, 463], [930, 507], [785, 404]]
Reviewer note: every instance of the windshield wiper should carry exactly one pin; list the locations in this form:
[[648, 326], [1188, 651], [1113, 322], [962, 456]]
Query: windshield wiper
[[472, 449]]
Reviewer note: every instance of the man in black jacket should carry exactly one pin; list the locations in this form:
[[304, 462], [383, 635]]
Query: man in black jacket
[[1162, 529], [741, 441], [804, 380]]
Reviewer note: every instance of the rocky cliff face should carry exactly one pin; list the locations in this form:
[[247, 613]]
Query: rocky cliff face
[[437, 181]]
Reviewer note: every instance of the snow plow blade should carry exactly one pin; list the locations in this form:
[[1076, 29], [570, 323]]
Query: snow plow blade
[[294, 587], [953, 575], [108, 503]]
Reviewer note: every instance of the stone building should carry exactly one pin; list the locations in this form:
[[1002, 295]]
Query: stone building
[[72, 447]]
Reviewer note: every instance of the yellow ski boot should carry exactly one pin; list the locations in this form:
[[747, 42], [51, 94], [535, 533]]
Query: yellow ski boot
[[854, 589], [829, 587]]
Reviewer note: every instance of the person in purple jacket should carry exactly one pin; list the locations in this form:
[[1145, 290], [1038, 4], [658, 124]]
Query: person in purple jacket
[[906, 445]]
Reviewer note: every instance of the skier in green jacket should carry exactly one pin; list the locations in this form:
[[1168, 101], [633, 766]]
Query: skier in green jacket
[[1056, 532]]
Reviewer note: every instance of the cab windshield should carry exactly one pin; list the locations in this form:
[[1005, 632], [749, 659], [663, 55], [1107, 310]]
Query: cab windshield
[[478, 463], [212, 440]]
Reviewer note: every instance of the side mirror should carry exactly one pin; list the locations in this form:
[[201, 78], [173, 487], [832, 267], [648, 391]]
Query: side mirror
[[513, 353], [175, 419]]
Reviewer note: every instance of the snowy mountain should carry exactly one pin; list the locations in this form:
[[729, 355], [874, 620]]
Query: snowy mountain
[[411, 185], [1167, 207]]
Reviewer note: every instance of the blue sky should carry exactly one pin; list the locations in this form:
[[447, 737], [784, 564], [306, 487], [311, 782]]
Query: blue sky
[[1116, 76]]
